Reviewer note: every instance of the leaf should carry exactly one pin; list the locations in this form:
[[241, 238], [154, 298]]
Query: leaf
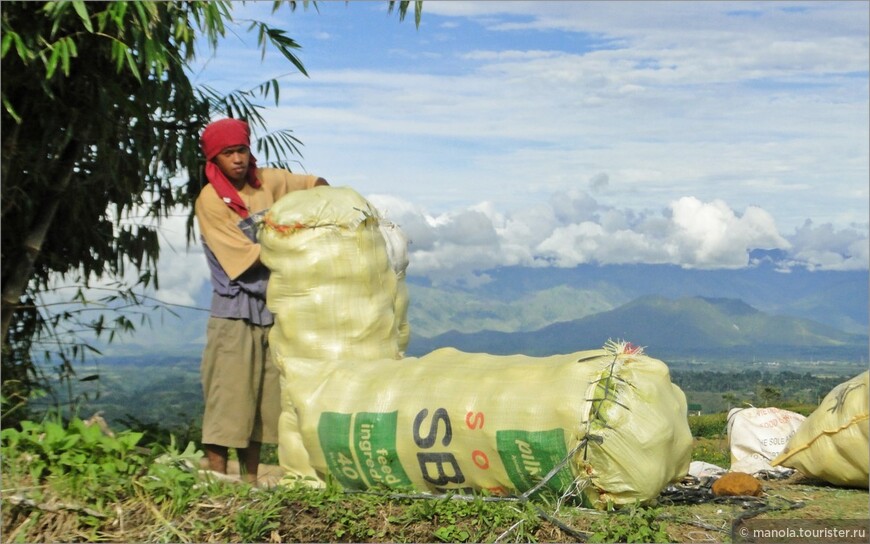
[[51, 64], [131, 62], [10, 437], [116, 11], [69, 442], [280, 41], [118, 50], [268, 87], [445, 534], [418, 12], [53, 433], [82, 11], [143, 18], [55, 10], [65, 54], [73, 50], [6, 43], [130, 439], [11, 111]]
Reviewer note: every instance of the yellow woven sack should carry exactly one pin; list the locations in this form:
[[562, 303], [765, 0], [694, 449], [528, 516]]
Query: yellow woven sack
[[833, 443], [337, 290], [607, 426], [333, 289]]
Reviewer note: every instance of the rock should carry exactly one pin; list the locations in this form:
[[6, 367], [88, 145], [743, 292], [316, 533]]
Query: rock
[[737, 484]]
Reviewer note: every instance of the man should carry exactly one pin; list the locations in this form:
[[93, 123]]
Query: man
[[240, 383]]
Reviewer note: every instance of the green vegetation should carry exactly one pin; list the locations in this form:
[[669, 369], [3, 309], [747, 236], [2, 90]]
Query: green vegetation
[[87, 472], [101, 116], [437, 311], [719, 391], [136, 394], [78, 78], [75, 483], [708, 425], [160, 497], [72, 458], [713, 451], [637, 524]]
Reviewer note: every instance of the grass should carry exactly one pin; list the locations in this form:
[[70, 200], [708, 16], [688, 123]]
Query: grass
[[72, 483]]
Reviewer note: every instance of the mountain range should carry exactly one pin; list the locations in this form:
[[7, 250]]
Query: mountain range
[[759, 311], [517, 298], [693, 327]]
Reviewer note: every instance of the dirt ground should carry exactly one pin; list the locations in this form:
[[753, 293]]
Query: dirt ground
[[794, 498]]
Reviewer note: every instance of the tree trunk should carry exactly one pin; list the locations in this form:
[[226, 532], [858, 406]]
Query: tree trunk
[[15, 286]]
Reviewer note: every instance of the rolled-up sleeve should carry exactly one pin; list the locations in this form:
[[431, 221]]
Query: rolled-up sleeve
[[235, 252]]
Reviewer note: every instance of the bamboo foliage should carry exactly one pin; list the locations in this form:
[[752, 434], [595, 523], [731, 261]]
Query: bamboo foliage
[[99, 116]]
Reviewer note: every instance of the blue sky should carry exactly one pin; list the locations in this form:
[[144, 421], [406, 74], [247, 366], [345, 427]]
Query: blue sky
[[560, 133]]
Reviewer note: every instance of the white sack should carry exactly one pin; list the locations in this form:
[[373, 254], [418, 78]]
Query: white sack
[[757, 435]]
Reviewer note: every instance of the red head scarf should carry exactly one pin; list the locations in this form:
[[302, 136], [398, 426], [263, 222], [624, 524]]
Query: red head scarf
[[216, 137]]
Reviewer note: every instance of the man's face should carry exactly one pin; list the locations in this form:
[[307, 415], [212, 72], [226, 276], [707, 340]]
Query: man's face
[[233, 162]]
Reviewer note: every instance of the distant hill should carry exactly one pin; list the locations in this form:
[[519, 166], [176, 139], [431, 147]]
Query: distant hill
[[437, 310], [523, 299], [686, 327]]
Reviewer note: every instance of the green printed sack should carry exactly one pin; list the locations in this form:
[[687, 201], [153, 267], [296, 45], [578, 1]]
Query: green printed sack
[[607, 426], [833, 443]]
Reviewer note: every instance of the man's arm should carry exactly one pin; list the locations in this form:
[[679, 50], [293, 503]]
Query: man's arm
[[218, 226]]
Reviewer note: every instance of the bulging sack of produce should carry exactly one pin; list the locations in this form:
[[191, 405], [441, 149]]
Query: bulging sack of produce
[[337, 290], [833, 444], [605, 426], [334, 289], [757, 435]]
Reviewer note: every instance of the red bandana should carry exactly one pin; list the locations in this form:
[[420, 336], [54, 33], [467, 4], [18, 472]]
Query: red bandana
[[216, 137]]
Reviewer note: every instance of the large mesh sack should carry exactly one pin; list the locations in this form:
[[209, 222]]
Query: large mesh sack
[[337, 290], [604, 426], [333, 288], [833, 443]]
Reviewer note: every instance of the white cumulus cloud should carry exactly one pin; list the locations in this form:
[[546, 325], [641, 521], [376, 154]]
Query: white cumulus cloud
[[824, 247], [573, 228]]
